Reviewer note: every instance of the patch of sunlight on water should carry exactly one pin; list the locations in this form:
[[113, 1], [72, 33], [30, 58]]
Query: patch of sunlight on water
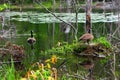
[[34, 17]]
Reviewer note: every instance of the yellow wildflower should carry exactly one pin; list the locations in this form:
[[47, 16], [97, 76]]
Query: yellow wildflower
[[23, 79], [48, 65], [33, 75], [48, 60], [54, 59], [28, 74], [50, 78]]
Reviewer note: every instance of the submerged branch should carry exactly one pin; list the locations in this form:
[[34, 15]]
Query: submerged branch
[[114, 37]]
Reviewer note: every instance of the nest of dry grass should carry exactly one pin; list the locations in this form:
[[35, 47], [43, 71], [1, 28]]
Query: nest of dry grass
[[11, 50], [93, 50]]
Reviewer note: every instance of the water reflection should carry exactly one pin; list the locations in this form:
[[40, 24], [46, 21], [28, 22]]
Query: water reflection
[[34, 17]]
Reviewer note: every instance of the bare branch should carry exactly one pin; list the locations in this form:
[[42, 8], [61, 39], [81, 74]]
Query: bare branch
[[75, 30], [55, 15]]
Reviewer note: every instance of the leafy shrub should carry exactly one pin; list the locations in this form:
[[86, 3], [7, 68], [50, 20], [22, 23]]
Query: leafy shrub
[[3, 6]]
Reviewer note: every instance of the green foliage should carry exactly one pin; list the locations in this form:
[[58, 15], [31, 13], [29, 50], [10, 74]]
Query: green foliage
[[104, 61], [80, 48], [10, 75], [64, 49], [104, 42], [3, 6], [8, 72], [47, 4], [65, 78]]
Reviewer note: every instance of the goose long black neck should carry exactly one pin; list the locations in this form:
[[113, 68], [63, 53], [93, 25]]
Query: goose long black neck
[[31, 33], [89, 31]]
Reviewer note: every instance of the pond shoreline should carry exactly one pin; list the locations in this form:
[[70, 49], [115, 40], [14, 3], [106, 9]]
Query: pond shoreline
[[97, 7]]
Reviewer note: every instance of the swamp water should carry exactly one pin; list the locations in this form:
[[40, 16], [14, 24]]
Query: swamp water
[[47, 30], [42, 25]]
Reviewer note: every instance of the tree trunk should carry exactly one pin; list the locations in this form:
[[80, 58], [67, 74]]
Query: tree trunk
[[67, 30], [88, 16], [53, 27]]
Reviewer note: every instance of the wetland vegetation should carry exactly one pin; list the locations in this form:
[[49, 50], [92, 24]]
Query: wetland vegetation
[[56, 53]]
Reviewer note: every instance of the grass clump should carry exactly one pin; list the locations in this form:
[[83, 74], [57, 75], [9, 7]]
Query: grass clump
[[8, 72], [104, 42]]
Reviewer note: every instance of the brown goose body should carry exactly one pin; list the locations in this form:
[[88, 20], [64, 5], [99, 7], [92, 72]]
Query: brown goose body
[[86, 37]]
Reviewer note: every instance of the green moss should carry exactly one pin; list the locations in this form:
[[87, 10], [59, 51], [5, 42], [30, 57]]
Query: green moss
[[104, 42], [79, 48]]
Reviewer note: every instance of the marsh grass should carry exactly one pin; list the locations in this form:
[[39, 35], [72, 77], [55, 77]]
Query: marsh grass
[[8, 72]]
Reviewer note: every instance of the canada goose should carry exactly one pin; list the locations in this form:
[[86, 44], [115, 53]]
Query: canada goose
[[87, 37], [31, 40]]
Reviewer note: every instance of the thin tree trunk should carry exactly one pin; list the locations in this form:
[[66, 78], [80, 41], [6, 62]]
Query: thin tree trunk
[[60, 24], [76, 18], [114, 58], [49, 45], [53, 27], [68, 2], [88, 22], [88, 16]]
